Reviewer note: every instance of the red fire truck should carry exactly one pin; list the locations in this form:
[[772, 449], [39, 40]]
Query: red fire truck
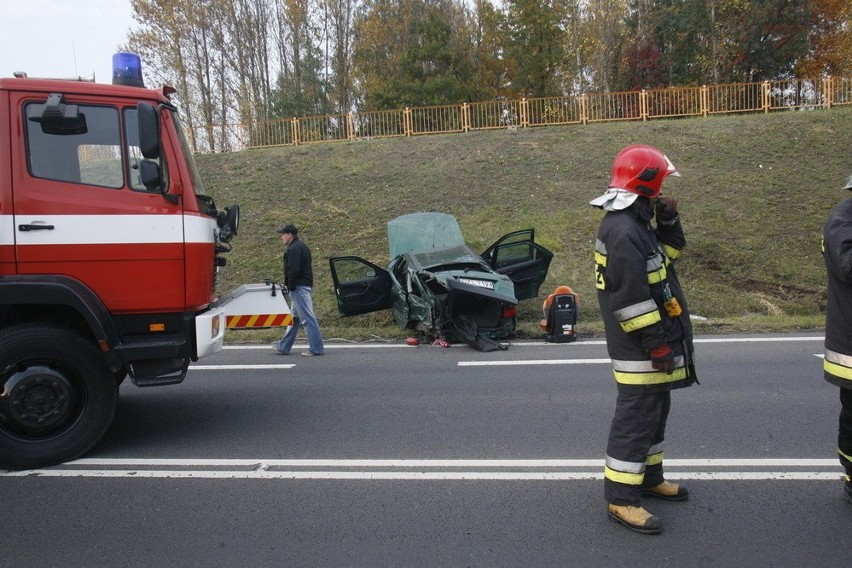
[[109, 250]]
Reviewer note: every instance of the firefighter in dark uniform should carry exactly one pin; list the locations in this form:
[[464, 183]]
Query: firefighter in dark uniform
[[648, 331], [837, 250]]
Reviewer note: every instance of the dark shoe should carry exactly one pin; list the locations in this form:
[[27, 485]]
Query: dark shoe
[[667, 491], [310, 354], [848, 489], [635, 518]]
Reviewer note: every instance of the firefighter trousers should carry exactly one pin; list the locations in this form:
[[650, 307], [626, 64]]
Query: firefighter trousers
[[844, 437], [634, 455]]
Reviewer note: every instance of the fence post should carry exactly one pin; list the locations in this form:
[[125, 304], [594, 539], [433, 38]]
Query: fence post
[[705, 100], [350, 122], [765, 97], [828, 91], [524, 117], [294, 129], [465, 117], [584, 108], [406, 121], [643, 104]]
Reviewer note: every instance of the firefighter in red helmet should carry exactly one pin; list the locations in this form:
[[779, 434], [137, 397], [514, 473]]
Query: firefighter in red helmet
[[837, 365], [648, 330]]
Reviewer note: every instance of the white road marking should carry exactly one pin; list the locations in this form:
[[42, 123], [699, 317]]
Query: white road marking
[[441, 470], [533, 362], [422, 475], [758, 339], [578, 343], [327, 346], [495, 363], [519, 463], [238, 367]]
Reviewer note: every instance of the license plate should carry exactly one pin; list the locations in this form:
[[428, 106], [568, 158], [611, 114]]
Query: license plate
[[480, 283]]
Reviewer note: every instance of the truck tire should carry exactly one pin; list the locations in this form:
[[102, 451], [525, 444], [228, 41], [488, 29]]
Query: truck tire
[[120, 375], [57, 396]]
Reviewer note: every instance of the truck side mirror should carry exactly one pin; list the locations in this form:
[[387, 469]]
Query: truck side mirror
[[149, 130], [228, 222], [151, 175]]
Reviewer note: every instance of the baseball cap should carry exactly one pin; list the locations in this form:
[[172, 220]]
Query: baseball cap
[[289, 228]]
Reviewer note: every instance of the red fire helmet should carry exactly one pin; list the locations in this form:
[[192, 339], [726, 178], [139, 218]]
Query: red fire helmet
[[640, 169]]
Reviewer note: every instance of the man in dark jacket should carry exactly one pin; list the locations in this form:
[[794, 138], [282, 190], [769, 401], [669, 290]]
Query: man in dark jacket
[[837, 250], [648, 331], [299, 279]]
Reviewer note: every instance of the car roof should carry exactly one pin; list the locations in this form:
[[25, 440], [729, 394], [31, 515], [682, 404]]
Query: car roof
[[423, 232]]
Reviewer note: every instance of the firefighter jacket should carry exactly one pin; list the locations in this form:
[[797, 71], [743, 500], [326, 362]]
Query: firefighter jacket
[[635, 279], [837, 251]]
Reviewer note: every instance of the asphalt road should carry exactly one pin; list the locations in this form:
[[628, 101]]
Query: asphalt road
[[378, 455]]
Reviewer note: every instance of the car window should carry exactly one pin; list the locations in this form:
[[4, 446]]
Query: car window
[[514, 253]]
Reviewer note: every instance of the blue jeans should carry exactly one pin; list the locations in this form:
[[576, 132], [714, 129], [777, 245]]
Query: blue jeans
[[303, 316]]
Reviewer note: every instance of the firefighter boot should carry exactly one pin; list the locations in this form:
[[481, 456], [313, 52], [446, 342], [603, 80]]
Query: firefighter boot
[[635, 518], [848, 489], [667, 491]]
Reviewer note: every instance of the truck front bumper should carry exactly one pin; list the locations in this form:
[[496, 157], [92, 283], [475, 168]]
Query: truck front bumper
[[210, 331]]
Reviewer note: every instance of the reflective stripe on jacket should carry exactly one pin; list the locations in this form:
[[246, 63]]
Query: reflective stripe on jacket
[[634, 271], [837, 251]]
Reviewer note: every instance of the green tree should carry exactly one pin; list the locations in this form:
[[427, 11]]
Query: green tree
[[597, 41], [301, 87], [301, 91], [380, 39], [643, 61], [415, 53], [487, 25], [338, 35], [534, 46], [761, 39]]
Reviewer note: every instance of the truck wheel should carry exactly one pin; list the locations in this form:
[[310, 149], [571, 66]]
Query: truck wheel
[[120, 375], [57, 396]]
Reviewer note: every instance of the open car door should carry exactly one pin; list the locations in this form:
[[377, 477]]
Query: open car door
[[360, 286], [519, 257]]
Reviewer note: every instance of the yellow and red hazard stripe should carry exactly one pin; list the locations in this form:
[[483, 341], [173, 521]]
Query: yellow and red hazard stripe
[[259, 320]]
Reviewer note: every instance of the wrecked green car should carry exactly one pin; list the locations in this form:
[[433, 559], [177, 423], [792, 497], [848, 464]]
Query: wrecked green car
[[437, 285]]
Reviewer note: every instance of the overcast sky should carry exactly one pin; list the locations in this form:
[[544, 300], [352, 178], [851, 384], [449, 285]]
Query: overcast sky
[[62, 38]]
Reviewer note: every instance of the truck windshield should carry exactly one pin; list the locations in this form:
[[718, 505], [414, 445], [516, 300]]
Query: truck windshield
[[190, 161], [205, 201]]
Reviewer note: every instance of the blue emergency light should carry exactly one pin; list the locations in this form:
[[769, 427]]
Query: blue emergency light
[[127, 70]]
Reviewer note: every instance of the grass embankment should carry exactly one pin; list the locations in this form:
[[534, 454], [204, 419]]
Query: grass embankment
[[754, 193]]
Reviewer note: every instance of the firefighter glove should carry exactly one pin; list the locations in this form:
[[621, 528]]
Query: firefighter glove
[[666, 209], [662, 358]]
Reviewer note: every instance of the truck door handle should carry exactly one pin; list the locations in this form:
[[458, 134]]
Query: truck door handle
[[35, 227]]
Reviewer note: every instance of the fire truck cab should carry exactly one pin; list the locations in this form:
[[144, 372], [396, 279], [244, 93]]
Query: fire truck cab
[[109, 250]]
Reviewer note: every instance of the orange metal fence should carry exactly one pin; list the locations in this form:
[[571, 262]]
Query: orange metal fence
[[648, 104]]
